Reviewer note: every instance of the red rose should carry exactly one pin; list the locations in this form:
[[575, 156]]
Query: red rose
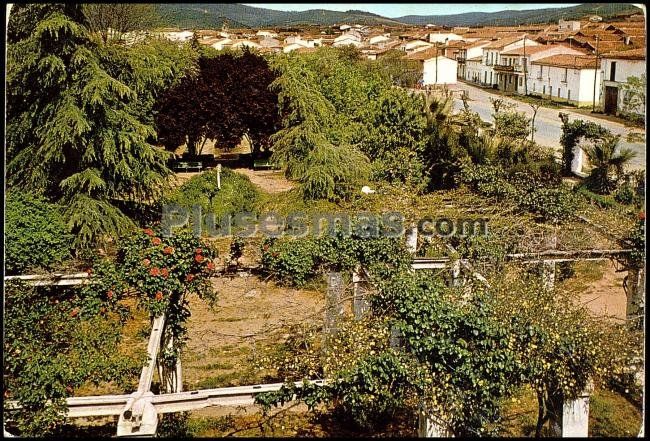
[[146, 262], [69, 389], [210, 266], [199, 251], [154, 271], [109, 294], [74, 312], [641, 215], [189, 277], [168, 250], [159, 295], [164, 272], [198, 258], [148, 231], [156, 241]]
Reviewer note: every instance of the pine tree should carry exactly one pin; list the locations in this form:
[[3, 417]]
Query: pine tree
[[78, 129]]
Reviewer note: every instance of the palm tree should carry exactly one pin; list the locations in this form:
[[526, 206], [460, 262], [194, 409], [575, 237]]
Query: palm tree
[[608, 165]]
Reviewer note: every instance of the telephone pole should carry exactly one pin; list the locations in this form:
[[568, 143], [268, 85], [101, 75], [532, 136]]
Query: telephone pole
[[525, 69], [593, 109]]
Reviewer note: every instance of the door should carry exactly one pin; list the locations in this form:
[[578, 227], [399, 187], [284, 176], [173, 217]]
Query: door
[[611, 100]]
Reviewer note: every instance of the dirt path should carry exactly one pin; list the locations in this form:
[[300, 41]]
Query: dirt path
[[250, 315], [270, 181]]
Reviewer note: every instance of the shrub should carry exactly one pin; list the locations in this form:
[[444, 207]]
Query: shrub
[[624, 194], [551, 204], [35, 235], [237, 193]]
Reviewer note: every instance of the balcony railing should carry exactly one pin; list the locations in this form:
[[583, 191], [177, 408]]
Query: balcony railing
[[504, 68]]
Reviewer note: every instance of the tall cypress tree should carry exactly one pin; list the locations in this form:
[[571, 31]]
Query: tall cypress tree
[[79, 128]]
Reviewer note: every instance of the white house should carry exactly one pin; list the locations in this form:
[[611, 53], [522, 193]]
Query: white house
[[470, 50], [568, 25], [616, 68], [348, 42], [439, 37], [473, 70], [514, 64], [566, 78], [415, 46], [267, 34], [353, 35], [217, 43], [179, 36], [436, 68], [271, 43], [240, 44], [379, 39], [491, 54], [345, 27]]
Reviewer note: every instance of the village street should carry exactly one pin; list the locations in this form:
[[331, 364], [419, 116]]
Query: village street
[[547, 122]]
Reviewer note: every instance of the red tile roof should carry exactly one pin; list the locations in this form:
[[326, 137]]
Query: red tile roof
[[503, 42], [427, 54], [632, 54], [570, 61]]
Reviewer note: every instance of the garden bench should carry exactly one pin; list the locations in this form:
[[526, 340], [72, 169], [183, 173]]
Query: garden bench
[[188, 166]]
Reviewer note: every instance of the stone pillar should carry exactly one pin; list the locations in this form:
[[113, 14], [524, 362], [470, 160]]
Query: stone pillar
[[412, 239], [360, 305], [571, 419], [430, 426]]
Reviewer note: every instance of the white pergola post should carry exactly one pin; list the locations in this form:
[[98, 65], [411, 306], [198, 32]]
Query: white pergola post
[[412, 239], [548, 274], [360, 304], [572, 420], [430, 426]]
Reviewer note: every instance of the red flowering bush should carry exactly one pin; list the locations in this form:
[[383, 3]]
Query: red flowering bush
[[165, 271]]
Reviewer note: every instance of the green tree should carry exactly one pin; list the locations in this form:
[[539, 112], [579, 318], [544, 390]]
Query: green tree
[[608, 164], [113, 20], [315, 144], [634, 93], [77, 124], [35, 233]]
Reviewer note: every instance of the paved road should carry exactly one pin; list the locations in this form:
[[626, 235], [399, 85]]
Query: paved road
[[547, 122]]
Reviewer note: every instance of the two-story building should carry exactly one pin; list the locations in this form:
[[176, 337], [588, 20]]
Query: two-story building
[[492, 53], [514, 64], [470, 50], [567, 78], [616, 68]]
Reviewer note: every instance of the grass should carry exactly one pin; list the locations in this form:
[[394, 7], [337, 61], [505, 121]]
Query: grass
[[610, 415]]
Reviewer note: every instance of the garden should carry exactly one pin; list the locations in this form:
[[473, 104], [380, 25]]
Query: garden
[[490, 338]]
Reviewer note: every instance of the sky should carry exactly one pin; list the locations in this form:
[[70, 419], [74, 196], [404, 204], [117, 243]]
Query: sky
[[400, 9]]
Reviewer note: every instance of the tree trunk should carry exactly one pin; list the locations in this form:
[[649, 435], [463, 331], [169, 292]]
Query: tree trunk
[[540, 414]]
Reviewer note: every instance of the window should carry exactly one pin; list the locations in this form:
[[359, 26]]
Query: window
[[533, 87], [541, 71], [559, 92], [550, 90], [568, 94], [612, 72], [544, 89], [521, 81], [565, 75]]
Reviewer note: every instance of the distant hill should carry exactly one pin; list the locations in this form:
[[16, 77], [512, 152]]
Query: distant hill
[[200, 15], [513, 18]]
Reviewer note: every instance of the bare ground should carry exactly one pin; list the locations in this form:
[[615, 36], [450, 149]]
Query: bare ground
[[269, 181]]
